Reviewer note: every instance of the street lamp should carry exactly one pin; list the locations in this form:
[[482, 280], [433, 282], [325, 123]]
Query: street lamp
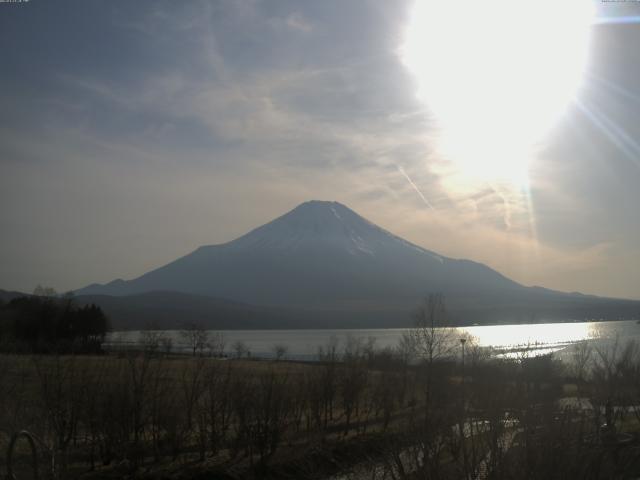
[[462, 342]]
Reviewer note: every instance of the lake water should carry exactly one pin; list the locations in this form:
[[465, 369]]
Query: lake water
[[506, 340]]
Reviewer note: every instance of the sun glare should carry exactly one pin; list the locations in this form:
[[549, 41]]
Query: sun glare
[[497, 75]]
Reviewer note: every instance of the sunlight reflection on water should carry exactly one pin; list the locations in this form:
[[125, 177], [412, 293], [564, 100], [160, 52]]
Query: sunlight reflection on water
[[505, 340], [539, 334]]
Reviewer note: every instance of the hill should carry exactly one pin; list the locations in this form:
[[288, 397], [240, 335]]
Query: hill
[[324, 260]]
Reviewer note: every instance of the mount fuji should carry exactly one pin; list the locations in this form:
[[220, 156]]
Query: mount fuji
[[323, 259]]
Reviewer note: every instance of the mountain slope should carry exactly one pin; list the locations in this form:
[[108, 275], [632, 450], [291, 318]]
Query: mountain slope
[[323, 257], [6, 296], [319, 253], [167, 310]]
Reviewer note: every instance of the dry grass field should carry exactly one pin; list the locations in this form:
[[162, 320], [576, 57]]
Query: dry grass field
[[360, 414]]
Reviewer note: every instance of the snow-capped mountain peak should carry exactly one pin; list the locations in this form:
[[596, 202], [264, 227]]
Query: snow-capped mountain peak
[[320, 252]]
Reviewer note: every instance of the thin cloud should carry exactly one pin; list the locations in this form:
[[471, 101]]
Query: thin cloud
[[160, 148]]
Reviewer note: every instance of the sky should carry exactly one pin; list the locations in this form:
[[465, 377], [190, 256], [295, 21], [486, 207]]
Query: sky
[[133, 132]]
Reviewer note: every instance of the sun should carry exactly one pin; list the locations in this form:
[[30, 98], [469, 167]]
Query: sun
[[497, 75]]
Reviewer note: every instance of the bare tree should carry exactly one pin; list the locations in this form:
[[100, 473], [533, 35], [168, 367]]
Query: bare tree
[[581, 354], [268, 414], [240, 348], [166, 344], [195, 337], [430, 338], [353, 379], [158, 402], [193, 378], [216, 344], [369, 348], [433, 343], [61, 395], [150, 341], [217, 409], [41, 291], [385, 395], [280, 350], [328, 381]]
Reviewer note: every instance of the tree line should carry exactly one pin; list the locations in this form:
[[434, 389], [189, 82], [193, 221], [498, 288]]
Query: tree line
[[47, 323]]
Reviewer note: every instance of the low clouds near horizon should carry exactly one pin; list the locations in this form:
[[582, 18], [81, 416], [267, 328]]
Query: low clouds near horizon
[[133, 132]]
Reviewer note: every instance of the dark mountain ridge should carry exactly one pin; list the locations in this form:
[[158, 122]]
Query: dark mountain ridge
[[319, 252], [322, 259]]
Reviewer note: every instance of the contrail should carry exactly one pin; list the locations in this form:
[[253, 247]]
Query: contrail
[[415, 187]]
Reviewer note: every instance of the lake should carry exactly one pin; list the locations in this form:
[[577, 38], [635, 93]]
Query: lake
[[506, 340]]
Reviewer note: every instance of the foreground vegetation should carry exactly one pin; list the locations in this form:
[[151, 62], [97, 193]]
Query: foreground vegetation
[[357, 411], [435, 407]]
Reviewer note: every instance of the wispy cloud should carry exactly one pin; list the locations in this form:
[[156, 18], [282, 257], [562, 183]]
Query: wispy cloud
[[216, 117]]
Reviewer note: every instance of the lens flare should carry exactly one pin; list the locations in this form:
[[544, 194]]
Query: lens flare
[[497, 75]]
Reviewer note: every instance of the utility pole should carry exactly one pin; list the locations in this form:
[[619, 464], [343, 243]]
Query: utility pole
[[462, 342], [463, 412]]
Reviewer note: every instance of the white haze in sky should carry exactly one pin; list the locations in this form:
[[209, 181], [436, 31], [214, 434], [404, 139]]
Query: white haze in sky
[[133, 132]]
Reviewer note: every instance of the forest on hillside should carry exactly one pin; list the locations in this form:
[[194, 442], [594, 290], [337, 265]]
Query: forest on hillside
[[51, 324]]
